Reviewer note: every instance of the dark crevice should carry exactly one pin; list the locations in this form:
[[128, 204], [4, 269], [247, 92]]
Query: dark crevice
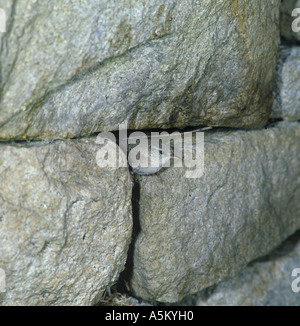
[[288, 43], [281, 251], [125, 277], [271, 123]]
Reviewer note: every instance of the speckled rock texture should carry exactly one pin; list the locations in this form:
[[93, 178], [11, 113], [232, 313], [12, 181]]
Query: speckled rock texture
[[65, 223], [266, 282], [70, 70], [197, 232]]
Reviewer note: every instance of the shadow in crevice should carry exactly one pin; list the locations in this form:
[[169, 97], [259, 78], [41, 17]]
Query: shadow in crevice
[[125, 276], [281, 251]]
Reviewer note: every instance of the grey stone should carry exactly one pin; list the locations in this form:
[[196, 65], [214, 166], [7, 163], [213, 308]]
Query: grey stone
[[197, 232], [65, 223], [267, 282], [69, 70], [286, 20], [287, 95]]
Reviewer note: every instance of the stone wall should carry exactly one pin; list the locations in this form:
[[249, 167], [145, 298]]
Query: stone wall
[[73, 227]]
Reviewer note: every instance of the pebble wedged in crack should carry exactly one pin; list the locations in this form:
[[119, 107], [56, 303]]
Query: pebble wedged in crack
[[197, 232], [65, 223], [69, 70]]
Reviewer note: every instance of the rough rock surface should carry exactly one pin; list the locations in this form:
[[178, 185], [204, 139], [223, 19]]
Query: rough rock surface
[[196, 232], [65, 223], [286, 20], [287, 92], [92, 66], [267, 282]]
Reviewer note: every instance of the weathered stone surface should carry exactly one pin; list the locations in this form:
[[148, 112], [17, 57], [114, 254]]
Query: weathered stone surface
[[286, 20], [69, 70], [267, 282], [65, 224], [196, 232], [287, 95]]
